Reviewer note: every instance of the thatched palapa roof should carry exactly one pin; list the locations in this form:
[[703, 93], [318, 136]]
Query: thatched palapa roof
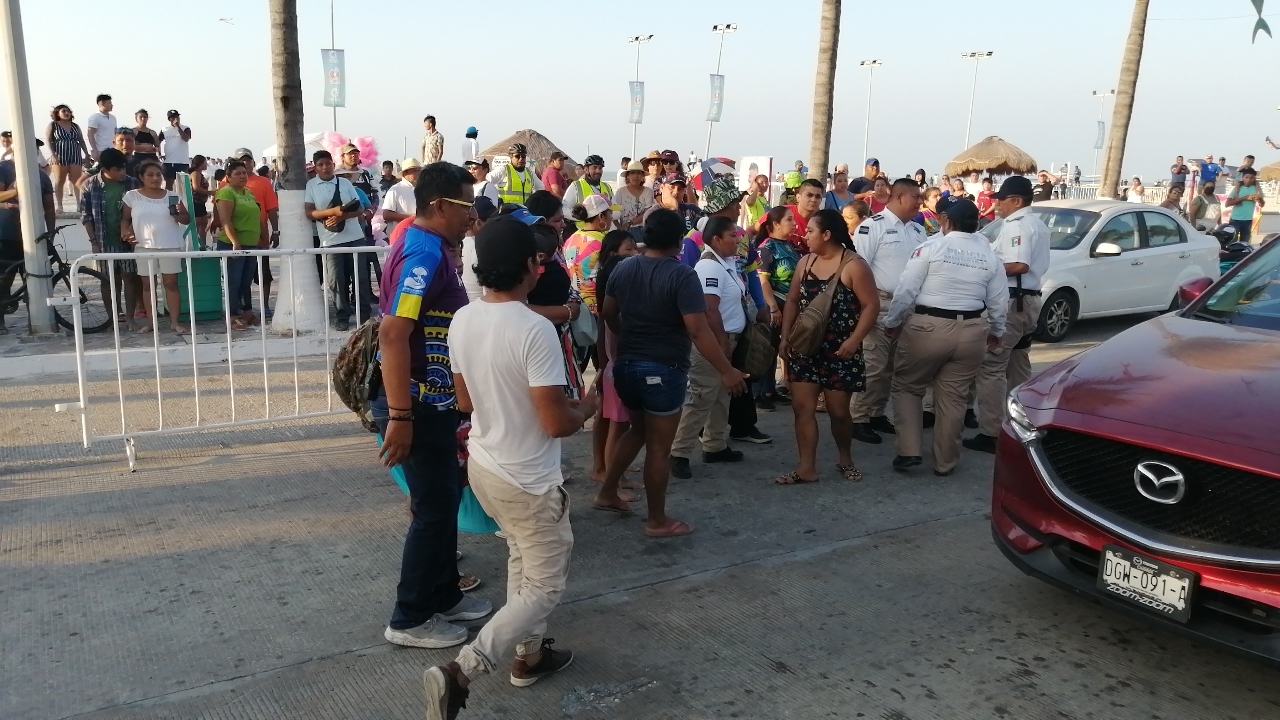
[[539, 147], [993, 156], [1270, 172]]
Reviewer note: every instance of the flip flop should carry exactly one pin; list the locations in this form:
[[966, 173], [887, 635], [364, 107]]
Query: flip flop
[[850, 472], [793, 478], [673, 528], [621, 509]]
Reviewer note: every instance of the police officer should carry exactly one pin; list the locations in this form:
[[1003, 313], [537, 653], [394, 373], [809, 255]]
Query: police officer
[[1023, 246], [514, 181], [886, 241], [591, 183], [942, 337]]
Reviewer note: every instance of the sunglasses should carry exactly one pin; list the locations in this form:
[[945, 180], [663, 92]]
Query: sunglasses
[[670, 162], [463, 203], [124, 131]]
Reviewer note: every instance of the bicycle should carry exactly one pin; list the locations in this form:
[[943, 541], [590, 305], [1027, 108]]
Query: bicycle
[[94, 315]]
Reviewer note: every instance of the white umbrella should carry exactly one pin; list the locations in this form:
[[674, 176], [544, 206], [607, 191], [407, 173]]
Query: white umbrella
[[311, 143]]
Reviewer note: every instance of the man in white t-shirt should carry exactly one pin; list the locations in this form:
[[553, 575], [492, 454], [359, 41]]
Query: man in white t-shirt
[[706, 405], [398, 203], [177, 154], [100, 129], [479, 170], [508, 369]]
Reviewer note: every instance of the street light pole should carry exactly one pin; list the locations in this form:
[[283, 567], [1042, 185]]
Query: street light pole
[[720, 30], [333, 43], [1103, 96], [976, 57], [866, 133], [638, 40]]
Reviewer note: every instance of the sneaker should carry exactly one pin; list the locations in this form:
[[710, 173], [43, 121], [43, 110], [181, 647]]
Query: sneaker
[[434, 633], [971, 419], [752, 436], [445, 697], [764, 403], [468, 608], [725, 455], [499, 533], [680, 468], [902, 463], [552, 661], [981, 443], [880, 423], [862, 432]]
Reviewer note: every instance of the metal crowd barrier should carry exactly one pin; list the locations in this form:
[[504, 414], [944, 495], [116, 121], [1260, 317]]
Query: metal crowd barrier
[[231, 343]]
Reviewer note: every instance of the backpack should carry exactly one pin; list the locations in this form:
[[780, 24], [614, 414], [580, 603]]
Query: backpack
[[356, 374], [810, 325]]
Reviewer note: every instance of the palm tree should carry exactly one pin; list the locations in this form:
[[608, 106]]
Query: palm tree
[[1124, 101], [824, 87], [299, 285]]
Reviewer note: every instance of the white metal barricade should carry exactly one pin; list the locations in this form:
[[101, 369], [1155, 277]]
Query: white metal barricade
[[244, 342]]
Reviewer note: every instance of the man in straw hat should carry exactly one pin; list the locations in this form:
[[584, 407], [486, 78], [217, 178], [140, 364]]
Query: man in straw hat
[[399, 204]]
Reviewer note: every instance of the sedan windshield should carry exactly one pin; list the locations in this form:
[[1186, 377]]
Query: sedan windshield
[[1067, 227], [1251, 298]]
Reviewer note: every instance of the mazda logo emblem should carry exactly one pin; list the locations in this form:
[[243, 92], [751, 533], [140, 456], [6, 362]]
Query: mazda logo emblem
[[1160, 482]]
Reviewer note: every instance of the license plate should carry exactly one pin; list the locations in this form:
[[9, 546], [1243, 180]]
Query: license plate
[[1157, 586]]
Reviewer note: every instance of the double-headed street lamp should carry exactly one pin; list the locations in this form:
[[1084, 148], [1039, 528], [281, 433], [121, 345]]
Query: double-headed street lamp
[[638, 40], [866, 132], [976, 57], [721, 30]]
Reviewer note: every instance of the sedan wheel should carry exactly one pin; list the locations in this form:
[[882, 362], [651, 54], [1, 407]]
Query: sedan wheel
[[1056, 317]]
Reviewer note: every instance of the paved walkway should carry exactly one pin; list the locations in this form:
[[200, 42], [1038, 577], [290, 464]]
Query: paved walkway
[[248, 574]]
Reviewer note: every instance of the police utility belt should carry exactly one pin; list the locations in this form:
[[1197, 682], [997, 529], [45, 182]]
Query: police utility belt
[[950, 314]]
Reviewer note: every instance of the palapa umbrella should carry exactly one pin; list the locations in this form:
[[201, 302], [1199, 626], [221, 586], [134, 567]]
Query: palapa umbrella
[[1270, 173], [537, 145], [710, 169], [993, 156]]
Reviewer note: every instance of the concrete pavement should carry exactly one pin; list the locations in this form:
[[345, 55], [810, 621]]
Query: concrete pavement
[[248, 574]]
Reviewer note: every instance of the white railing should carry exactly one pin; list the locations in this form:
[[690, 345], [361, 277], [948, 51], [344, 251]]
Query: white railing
[[228, 351]]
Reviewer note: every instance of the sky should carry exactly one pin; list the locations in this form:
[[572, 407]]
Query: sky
[[562, 68]]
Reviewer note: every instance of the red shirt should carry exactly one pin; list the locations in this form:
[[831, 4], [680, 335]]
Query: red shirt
[[877, 207], [802, 226], [552, 176], [987, 205]]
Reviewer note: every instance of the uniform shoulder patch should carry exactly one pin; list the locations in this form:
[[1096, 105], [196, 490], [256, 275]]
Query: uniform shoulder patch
[[878, 216], [864, 230], [713, 282]]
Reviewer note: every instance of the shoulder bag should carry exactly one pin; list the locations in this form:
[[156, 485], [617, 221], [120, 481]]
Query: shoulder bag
[[810, 325]]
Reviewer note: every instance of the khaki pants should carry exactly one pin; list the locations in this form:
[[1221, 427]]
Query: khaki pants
[[706, 408], [943, 355], [1007, 369], [878, 357], [539, 541]]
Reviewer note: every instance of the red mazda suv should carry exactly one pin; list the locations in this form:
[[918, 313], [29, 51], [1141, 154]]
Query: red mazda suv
[[1144, 473]]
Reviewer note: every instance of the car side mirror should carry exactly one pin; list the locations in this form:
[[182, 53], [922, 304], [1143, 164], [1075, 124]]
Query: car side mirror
[[1192, 289], [1107, 249]]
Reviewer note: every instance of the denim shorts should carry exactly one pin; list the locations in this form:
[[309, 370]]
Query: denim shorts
[[654, 388]]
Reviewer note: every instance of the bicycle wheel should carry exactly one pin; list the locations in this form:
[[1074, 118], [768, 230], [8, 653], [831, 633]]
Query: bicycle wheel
[[94, 316]]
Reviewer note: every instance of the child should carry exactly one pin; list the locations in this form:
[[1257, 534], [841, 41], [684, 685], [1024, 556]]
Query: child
[[986, 204]]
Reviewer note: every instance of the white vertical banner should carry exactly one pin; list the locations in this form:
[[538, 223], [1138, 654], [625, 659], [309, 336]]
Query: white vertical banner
[[637, 101], [717, 98]]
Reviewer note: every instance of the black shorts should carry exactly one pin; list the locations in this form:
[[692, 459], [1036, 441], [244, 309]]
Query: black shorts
[[171, 170], [201, 210]]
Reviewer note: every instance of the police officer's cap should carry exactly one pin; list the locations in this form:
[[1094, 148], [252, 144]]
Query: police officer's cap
[[1016, 186], [960, 211]]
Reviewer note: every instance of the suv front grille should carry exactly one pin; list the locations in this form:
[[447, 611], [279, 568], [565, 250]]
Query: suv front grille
[[1222, 505]]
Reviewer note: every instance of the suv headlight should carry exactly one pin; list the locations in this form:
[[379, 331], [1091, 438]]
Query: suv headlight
[[1022, 425]]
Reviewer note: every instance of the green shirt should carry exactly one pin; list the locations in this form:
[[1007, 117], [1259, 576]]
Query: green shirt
[[1244, 211], [245, 216], [112, 211]]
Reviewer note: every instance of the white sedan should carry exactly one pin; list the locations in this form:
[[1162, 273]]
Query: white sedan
[[1114, 258]]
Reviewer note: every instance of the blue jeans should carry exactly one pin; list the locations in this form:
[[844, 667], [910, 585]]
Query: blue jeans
[[1244, 229], [239, 288], [654, 388], [429, 565]]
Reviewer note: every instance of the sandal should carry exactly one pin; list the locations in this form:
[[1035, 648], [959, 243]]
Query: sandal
[[621, 508], [238, 324], [467, 583], [822, 404], [850, 472], [793, 478], [673, 528]]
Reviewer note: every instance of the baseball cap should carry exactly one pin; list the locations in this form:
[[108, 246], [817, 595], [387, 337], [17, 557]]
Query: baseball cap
[[242, 153], [484, 207], [505, 242], [557, 155], [871, 161], [721, 193], [172, 114], [958, 210], [595, 205], [673, 179], [593, 160], [523, 215], [410, 164], [482, 162], [472, 130], [1016, 186], [670, 156], [349, 147]]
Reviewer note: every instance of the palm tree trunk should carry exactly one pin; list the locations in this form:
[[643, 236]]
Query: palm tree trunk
[[824, 88], [1125, 90], [299, 301]]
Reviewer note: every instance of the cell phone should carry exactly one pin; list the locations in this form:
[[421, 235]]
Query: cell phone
[[173, 204]]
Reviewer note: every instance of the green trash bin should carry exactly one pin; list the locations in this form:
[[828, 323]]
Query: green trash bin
[[206, 281]]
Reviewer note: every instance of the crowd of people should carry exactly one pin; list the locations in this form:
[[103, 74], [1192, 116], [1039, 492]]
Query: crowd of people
[[504, 289]]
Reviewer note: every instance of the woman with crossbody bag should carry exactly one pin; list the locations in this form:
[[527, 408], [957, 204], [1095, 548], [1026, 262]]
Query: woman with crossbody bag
[[830, 308]]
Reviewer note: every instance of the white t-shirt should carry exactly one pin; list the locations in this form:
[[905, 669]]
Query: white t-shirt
[[489, 190], [399, 198], [105, 126], [470, 150], [502, 350], [720, 277], [152, 223], [175, 148], [469, 259]]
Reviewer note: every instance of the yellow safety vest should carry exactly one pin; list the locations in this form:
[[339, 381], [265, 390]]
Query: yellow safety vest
[[585, 191], [519, 186]]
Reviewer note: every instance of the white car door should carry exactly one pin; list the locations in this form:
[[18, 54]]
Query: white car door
[[1115, 283], [1168, 254]]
